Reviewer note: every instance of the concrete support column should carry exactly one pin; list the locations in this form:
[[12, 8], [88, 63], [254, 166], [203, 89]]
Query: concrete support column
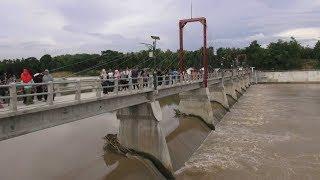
[[237, 84], [230, 88], [243, 82], [247, 80], [197, 103], [13, 97], [140, 130], [254, 77], [218, 94]]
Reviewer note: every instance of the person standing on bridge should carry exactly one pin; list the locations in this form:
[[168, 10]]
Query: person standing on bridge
[[46, 79], [104, 82], [117, 74], [26, 79]]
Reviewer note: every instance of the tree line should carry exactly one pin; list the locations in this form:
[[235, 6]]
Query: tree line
[[280, 55]]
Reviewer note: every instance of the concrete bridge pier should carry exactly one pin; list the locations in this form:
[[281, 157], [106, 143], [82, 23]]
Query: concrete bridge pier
[[218, 94], [243, 83], [230, 89], [238, 85], [197, 103], [247, 81], [140, 131]]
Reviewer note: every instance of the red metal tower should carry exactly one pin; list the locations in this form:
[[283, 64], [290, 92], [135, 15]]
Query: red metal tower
[[182, 24]]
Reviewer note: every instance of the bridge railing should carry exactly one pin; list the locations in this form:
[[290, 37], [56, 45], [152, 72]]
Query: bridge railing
[[174, 80], [77, 90]]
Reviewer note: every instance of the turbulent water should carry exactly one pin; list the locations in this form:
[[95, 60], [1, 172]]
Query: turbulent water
[[271, 133]]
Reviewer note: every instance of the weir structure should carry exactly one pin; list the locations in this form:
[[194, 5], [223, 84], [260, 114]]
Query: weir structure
[[137, 109], [135, 103]]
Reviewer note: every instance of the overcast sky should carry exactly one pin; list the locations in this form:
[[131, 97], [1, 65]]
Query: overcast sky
[[37, 27]]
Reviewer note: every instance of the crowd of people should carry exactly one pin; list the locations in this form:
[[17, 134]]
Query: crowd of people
[[139, 77], [108, 78], [26, 79]]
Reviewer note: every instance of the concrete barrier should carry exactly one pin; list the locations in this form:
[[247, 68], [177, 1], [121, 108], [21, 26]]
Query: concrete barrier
[[218, 94], [197, 103], [140, 130], [230, 89], [289, 77]]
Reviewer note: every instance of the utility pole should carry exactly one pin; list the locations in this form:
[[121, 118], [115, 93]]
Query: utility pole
[[154, 48], [191, 9]]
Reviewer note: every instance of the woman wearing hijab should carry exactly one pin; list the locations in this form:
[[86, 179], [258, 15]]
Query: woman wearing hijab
[[26, 79]]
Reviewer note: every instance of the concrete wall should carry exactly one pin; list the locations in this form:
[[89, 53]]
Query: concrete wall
[[218, 94], [23, 122], [18, 123], [197, 103], [140, 130], [289, 77]]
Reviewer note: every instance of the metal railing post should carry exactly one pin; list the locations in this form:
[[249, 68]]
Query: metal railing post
[[58, 88], [170, 80], [150, 82], [255, 77], [140, 85], [116, 86], [98, 88], [163, 81], [175, 79], [50, 93], [13, 97], [222, 78], [156, 83], [181, 78], [78, 91], [130, 84]]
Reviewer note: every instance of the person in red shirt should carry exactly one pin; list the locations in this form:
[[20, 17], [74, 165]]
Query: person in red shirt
[[26, 79]]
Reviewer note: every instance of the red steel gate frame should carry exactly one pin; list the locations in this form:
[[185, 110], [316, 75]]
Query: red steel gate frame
[[182, 24]]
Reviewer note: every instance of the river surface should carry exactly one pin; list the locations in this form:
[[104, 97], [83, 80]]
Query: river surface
[[75, 150], [272, 132]]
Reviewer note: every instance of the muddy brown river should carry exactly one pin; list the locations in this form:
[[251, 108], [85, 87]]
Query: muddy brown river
[[272, 132]]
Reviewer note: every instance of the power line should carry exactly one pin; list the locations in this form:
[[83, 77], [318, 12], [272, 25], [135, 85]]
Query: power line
[[99, 65], [142, 62], [53, 70]]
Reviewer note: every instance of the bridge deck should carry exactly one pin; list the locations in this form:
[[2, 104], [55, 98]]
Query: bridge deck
[[60, 100], [169, 85]]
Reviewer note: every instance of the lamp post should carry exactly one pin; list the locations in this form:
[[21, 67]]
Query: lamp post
[[154, 48]]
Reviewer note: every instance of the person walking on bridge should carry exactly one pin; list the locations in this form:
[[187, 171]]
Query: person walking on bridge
[[26, 79], [104, 82], [46, 79]]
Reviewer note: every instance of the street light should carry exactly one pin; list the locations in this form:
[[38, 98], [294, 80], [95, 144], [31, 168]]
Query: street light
[[152, 47], [155, 38]]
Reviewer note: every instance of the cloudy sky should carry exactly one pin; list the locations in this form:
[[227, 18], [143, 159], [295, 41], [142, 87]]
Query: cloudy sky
[[37, 27]]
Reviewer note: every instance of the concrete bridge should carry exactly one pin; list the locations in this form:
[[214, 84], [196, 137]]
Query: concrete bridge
[[135, 105]]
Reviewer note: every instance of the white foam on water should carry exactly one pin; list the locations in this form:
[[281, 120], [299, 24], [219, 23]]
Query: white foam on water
[[248, 139]]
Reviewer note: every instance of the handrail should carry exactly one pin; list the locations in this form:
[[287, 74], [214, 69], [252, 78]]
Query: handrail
[[111, 86]]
